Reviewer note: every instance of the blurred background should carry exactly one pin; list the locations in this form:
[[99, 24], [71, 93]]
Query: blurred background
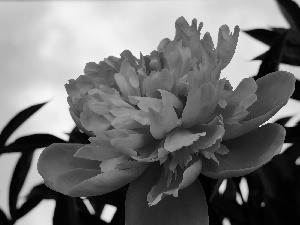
[[44, 44]]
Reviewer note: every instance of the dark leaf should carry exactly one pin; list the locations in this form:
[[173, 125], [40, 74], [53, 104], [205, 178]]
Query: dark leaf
[[272, 58], [291, 12], [292, 134], [263, 35], [229, 208], [255, 197], [84, 214], [283, 121], [116, 198], [290, 56], [296, 94], [14, 123], [65, 212], [3, 218], [76, 136], [278, 212], [269, 36], [36, 195], [32, 142], [17, 181]]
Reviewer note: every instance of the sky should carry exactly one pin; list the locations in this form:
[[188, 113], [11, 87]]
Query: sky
[[44, 44]]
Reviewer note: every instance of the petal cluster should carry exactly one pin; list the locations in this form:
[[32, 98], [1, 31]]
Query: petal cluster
[[170, 110]]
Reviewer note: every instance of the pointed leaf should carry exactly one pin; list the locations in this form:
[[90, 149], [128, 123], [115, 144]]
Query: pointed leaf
[[15, 122], [291, 12], [290, 56], [36, 195], [3, 218], [17, 181], [272, 58], [32, 142], [283, 121], [296, 94], [263, 35], [188, 208]]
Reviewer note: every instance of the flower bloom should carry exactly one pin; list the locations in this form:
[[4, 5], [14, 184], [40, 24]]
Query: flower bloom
[[159, 121]]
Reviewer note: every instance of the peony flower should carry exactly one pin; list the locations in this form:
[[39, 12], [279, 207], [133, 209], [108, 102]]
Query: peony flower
[[159, 121]]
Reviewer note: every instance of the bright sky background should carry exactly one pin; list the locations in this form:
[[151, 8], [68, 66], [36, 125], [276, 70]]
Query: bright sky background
[[44, 44]]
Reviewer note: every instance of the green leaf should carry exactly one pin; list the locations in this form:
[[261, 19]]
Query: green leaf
[[32, 142], [17, 181], [272, 58], [36, 195], [291, 12], [14, 123]]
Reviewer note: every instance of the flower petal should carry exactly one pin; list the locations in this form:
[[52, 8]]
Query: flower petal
[[273, 92], [246, 153], [179, 137], [81, 183], [226, 44], [102, 151], [188, 208], [58, 158], [197, 109], [162, 123], [274, 89]]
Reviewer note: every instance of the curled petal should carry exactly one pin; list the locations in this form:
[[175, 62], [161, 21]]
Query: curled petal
[[166, 120], [198, 105], [226, 44], [246, 153], [158, 80], [127, 80], [92, 121], [179, 138]]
